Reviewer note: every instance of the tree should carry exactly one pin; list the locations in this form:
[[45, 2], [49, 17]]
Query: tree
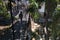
[[4, 12], [53, 11], [33, 12], [50, 8], [55, 23]]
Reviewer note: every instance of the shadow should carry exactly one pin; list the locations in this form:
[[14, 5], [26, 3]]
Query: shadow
[[19, 31], [5, 22], [7, 35]]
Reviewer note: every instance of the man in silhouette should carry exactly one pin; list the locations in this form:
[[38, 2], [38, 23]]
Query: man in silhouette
[[21, 16]]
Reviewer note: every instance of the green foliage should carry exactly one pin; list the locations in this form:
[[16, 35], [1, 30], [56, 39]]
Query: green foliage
[[34, 35], [39, 1], [3, 11], [50, 6], [58, 1], [56, 14], [0, 2], [33, 6], [36, 16], [54, 25], [33, 9]]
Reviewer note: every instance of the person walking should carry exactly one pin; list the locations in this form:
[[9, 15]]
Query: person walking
[[21, 16]]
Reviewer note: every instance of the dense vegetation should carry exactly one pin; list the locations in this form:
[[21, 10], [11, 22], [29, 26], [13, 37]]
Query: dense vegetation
[[4, 15], [52, 11]]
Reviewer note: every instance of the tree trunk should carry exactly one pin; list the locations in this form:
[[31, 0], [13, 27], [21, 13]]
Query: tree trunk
[[50, 7], [46, 32], [29, 28], [46, 16], [11, 15]]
